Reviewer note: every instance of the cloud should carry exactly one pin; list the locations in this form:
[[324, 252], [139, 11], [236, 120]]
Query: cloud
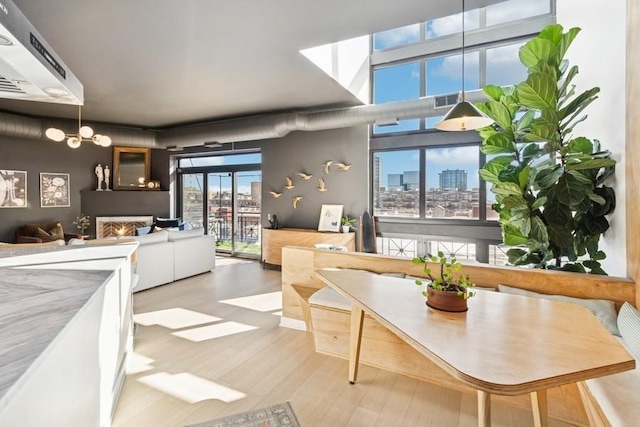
[[515, 9], [453, 158], [503, 65], [451, 66], [397, 36], [453, 24]]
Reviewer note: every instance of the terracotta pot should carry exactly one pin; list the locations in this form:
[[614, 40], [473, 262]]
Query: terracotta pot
[[446, 301]]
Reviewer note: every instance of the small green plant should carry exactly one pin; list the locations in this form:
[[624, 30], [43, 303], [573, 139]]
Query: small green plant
[[82, 222], [446, 281], [348, 221]]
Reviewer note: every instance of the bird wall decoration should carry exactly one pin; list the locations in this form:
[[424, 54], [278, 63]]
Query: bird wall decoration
[[295, 200], [326, 165], [288, 183], [321, 186], [305, 176], [275, 194], [343, 166]]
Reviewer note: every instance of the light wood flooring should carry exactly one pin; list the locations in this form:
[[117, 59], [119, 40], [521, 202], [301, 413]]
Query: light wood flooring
[[266, 365]]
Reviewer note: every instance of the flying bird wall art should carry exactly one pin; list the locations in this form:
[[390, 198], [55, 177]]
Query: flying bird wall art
[[275, 194], [326, 165], [288, 183], [295, 200], [343, 166], [321, 186], [305, 176]]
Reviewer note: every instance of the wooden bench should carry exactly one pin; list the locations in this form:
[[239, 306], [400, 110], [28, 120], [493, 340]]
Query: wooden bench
[[382, 349]]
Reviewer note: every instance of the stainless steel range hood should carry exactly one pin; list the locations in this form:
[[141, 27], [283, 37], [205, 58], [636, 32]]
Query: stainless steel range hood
[[29, 67]]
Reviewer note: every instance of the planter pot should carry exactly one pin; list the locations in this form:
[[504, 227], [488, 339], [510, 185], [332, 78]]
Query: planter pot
[[346, 228], [446, 301]]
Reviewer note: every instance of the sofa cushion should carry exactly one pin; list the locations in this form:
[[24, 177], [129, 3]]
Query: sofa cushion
[[177, 235], [157, 237], [56, 233], [604, 310], [629, 326]]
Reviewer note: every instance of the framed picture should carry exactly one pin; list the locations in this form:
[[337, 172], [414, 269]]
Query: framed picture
[[330, 217], [13, 189], [54, 190]]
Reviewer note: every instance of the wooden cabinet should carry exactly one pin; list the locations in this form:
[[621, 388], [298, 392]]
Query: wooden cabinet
[[274, 240]]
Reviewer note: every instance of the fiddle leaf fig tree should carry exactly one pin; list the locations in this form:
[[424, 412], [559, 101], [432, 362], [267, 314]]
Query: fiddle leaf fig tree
[[548, 183]]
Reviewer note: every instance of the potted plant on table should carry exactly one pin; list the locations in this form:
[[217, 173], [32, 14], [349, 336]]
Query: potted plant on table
[[347, 223], [82, 222], [446, 291]]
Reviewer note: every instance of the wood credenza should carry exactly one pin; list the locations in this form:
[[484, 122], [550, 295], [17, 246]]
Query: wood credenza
[[274, 240]]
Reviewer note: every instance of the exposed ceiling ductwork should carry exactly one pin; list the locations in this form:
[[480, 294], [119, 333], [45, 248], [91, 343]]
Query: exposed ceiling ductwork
[[279, 125], [243, 129]]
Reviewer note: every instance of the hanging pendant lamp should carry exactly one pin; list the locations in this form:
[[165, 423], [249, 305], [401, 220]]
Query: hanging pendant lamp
[[464, 115], [85, 134]]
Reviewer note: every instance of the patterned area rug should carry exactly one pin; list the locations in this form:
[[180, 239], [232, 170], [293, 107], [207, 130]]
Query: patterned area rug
[[280, 415]]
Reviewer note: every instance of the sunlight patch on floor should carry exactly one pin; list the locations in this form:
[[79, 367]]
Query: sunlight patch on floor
[[137, 363], [213, 331], [261, 302], [190, 388], [222, 261], [174, 318]]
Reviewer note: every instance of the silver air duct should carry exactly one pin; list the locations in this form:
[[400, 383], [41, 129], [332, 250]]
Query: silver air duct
[[279, 125]]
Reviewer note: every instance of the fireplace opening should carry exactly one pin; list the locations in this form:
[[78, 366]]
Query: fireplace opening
[[117, 226]]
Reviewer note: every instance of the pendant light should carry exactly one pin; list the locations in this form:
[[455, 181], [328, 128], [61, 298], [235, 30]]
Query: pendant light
[[85, 134], [464, 115]]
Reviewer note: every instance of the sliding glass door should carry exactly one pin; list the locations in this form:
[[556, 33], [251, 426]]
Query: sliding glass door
[[225, 200]]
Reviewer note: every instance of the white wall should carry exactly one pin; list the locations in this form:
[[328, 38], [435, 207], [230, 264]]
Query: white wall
[[599, 52]]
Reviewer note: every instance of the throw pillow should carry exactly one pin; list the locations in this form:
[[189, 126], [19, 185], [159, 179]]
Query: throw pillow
[[604, 310], [49, 237], [629, 326]]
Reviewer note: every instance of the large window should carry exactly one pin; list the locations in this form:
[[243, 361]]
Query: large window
[[426, 191]]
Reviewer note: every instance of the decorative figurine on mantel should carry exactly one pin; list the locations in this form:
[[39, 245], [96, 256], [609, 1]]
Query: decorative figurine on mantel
[[273, 221], [107, 174], [100, 175]]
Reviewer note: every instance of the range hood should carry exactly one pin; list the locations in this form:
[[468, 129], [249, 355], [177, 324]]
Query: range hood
[[29, 67]]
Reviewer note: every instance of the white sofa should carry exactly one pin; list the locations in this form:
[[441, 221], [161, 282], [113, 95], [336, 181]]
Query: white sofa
[[166, 256]]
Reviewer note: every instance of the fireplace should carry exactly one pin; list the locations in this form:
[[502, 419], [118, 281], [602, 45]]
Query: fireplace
[[114, 226]]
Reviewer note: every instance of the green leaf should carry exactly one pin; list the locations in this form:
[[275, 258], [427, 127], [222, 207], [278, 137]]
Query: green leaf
[[580, 145], [493, 92], [514, 201], [539, 203], [523, 177], [514, 254], [596, 224], [538, 91], [548, 177], [555, 212], [597, 199], [589, 164], [525, 121], [599, 256], [498, 143], [566, 41], [570, 190], [539, 230], [542, 132], [507, 188], [536, 50], [511, 236], [573, 71], [574, 268], [553, 33], [500, 114], [579, 103], [560, 235], [531, 151]]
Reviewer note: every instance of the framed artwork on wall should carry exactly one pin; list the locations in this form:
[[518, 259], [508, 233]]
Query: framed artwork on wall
[[330, 216], [13, 189], [54, 190]]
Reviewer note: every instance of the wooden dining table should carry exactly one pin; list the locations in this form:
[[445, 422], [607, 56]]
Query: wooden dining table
[[504, 344]]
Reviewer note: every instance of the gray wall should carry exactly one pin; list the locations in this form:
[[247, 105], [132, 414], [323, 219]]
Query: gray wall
[[305, 152], [35, 156]]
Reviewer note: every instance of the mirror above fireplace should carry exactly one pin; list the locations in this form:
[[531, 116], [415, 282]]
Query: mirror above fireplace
[[131, 168]]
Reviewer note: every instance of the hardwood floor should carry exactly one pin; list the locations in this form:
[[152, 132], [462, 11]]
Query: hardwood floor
[[257, 363]]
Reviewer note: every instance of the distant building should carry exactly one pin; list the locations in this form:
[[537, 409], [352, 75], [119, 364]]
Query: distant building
[[256, 188], [411, 180], [394, 181], [453, 179], [377, 178]]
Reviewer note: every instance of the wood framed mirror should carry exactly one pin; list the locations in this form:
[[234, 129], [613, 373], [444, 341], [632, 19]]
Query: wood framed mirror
[[131, 168]]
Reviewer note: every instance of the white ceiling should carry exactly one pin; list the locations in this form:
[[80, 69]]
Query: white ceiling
[[161, 63]]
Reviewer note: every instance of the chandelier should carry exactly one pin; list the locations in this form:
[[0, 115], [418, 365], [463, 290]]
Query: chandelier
[[85, 134]]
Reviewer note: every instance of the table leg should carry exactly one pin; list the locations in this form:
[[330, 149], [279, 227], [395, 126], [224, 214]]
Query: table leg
[[484, 409], [357, 319], [539, 407]]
